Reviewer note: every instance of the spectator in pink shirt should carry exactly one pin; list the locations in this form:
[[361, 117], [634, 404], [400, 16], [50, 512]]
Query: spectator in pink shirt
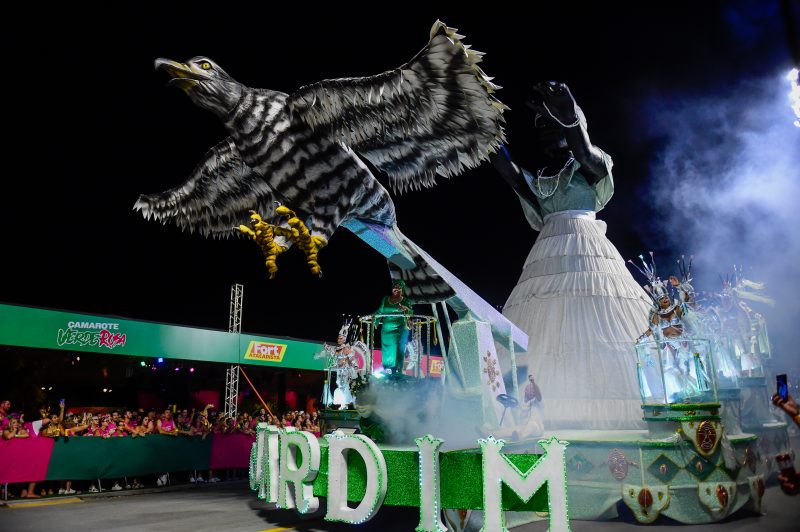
[[166, 425], [5, 410]]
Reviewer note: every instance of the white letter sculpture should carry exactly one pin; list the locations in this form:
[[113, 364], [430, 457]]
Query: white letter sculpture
[[265, 464], [291, 442], [338, 446], [498, 470], [430, 507]]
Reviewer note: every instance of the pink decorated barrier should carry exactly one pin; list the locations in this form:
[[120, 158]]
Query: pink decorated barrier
[[231, 451], [24, 459]]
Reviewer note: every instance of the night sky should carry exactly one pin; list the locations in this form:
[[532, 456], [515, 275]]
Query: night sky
[[90, 125]]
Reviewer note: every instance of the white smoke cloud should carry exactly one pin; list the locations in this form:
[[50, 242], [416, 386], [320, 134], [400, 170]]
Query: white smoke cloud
[[726, 188]]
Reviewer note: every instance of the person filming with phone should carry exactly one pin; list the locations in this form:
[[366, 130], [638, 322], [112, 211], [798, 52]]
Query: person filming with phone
[[790, 482], [784, 401]]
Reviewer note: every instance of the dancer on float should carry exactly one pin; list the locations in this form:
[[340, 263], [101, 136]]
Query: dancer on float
[[575, 299], [393, 316], [744, 330], [666, 330], [344, 365], [700, 321]]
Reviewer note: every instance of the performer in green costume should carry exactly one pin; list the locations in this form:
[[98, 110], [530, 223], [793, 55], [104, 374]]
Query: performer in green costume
[[395, 331]]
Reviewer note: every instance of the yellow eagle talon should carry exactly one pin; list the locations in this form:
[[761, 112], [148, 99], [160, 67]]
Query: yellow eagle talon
[[264, 234], [246, 230]]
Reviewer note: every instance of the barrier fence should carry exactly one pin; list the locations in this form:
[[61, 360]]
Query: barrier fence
[[81, 458]]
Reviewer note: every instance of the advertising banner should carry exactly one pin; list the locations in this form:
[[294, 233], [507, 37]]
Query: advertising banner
[[71, 331]]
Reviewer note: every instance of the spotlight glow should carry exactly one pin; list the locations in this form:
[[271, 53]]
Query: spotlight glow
[[794, 94], [191, 370], [160, 360], [142, 363]]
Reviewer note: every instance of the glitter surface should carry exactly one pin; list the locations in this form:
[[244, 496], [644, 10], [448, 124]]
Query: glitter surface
[[461, 479]]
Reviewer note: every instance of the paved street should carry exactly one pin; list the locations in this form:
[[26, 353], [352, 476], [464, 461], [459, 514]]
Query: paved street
[[233, 507]]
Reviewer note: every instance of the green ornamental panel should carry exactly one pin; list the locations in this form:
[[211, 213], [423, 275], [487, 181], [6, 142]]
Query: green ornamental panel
[[91, 458]]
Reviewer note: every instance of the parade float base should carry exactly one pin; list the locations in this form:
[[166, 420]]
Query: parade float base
[[773, 439], [653, 477]]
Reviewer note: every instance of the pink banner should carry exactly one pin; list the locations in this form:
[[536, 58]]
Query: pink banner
[[24, 459], [231, 451]]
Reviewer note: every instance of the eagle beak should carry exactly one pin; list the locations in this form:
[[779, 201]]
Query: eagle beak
[[182, 75]]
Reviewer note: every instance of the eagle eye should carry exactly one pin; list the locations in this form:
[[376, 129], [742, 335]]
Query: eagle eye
[[205, 65]]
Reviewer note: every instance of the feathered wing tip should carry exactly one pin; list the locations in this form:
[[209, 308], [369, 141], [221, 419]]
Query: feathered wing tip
[[437, 114], [423, 284], [215, 199]]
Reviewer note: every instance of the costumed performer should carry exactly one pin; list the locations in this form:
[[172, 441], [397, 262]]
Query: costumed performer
[[344, 364], [666, 331], [393, 316], [575, 298]]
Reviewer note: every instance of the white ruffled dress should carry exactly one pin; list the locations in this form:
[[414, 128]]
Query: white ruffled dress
[[581, 308]]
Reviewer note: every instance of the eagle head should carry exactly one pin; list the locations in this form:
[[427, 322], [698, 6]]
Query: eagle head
[[204, 82]]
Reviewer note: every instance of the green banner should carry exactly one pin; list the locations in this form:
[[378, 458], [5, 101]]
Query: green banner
[[52, 329], [90, 458]]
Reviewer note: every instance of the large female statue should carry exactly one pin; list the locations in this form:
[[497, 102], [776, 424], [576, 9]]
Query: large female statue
[[576, 299]]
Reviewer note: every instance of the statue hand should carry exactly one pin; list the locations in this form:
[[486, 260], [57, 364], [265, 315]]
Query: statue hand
[[558, 99]]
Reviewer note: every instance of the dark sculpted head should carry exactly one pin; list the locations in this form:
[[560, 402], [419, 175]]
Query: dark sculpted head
[[204, 82], [550, 144]]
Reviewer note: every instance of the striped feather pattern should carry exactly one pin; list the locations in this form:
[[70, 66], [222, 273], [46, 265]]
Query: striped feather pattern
[[434, 115], [423, 284], [216, 197]]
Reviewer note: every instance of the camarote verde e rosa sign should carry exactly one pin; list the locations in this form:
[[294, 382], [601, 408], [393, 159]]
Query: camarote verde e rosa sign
[[97, 334]]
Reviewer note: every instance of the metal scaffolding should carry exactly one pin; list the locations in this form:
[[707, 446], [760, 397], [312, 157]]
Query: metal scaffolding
[[232, 373]]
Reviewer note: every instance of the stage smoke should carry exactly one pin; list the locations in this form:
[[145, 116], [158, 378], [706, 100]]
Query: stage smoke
[[415, 407], [725, 188]]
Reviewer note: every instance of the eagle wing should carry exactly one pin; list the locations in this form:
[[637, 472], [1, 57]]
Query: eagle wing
[[434, 115], [215, 199]]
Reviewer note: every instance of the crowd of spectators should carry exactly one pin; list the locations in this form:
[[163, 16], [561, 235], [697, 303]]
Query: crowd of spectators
[[298, 419], [140, 424]]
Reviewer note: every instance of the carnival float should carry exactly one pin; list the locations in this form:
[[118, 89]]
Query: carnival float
[[676, 423]]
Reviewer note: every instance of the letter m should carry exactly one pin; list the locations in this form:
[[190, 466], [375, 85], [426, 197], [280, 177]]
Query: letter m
[[549, 469]]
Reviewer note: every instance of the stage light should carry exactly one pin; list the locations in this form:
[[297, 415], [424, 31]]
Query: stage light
[[105, 390], [177, 369], [191, 370], [142, 363], [42, 387], [160, 360], [50, 388], [378, 374], [794, 95], [78, 359]]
